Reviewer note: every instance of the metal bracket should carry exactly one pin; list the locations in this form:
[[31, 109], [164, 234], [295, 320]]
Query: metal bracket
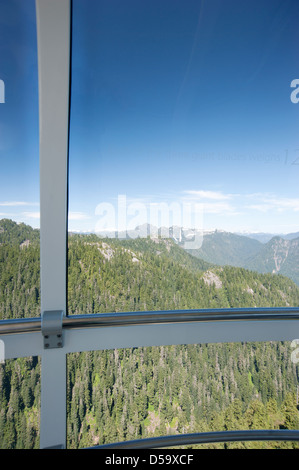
[[52, 329]]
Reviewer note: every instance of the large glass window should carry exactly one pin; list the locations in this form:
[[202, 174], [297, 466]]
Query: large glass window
[[19, 216], [19, 175], [183, 141], [182, 195]]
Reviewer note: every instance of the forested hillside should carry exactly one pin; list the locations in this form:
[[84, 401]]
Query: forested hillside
[[140, 392], [225, 248], [277, 256], [280, 255]]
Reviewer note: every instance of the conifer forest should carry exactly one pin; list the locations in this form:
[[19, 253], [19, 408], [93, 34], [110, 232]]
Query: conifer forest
[[125, 394]]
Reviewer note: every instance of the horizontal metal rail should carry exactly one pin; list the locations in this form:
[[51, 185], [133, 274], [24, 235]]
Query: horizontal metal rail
[[30, 325], [204, 438], [22, 325]]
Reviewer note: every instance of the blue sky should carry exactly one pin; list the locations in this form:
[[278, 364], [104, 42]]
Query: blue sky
[[173, 102], [19, 167]]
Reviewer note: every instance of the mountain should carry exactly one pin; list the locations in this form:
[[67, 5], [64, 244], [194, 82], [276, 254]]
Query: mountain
[[159, 275], [259, 236], [179, 234], [265, 237], [107, 275], [280, 255], [277, 256], [224, 248], [290, 236], [11, 232]]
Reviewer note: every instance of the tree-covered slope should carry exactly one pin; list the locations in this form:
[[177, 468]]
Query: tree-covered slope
[[13, 233], [224, 248], [277, 256], [113, 275], [142, 392]]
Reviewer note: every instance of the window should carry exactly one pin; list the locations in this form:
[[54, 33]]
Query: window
[[183, 134], [19, 217], [19, 179], [153, 149]]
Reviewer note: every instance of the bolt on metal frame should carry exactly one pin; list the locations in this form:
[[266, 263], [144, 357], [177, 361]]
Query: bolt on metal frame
[[27, 337]]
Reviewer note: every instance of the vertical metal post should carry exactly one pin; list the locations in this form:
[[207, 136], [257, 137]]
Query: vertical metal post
[[53, 36]]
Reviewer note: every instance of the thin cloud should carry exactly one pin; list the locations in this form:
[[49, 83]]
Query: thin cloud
[[71, 215], [266, 203], [213, 195], [285, 204], [218, 208], [260, 207], [213, 202], [77, 216], [31, 215], [17, 203]]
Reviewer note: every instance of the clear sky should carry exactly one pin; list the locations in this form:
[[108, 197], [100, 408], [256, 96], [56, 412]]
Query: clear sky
[[19, 166], [173, 101]]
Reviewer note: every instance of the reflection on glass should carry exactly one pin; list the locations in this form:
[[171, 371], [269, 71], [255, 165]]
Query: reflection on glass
[[136, 393], [19, 175], [184, 129], [20, 403]]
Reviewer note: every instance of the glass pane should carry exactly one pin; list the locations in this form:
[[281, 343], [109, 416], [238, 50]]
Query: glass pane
[[19, 176], [183, 155], [128, 394], [20, 403]]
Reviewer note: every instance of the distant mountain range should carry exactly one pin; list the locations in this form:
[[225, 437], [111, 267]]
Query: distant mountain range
[[265, 237], [261, 252], [224, 248], [280, 255], [180, 233]]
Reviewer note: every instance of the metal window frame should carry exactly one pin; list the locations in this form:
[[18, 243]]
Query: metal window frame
[[54, 52], [25, 337]]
